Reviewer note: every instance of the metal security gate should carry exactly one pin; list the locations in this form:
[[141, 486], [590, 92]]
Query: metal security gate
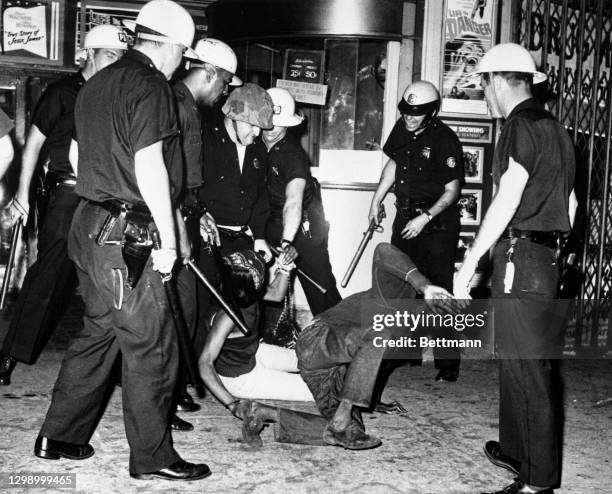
[[572, 42]]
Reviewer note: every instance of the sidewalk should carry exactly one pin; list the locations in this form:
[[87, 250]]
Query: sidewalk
[[436, 447]]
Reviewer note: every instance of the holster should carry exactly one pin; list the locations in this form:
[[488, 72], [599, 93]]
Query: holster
[[137, 245], [192, 210], [409, 209]]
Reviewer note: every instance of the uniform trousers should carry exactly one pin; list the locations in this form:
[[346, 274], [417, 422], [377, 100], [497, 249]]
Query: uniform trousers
[[186, 288], [141, 330], [313, 258], [433, 253], [48, 283], [528, 335]]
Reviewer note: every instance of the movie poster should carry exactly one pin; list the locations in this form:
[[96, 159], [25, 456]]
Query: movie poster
[[468, 34], [25, 29]]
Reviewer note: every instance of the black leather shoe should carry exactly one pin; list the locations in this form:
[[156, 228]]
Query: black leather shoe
[[178, 424], [54, 450], [447, 375], [186, 404], [515, 488], [493, 453], [179, 470], [350, 438], [7, 364]]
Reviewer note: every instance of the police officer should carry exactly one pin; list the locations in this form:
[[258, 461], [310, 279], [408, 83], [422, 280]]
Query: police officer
[[426, 166], [533, 168], [130, 175], [296, 212], [48, 282], [205, 83], [234, 191]]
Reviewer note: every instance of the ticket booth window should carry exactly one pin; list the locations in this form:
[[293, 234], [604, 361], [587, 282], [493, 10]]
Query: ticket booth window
[[343, 135], [353, 115]]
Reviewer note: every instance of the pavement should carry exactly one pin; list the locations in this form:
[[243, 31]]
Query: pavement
[[435, 447]]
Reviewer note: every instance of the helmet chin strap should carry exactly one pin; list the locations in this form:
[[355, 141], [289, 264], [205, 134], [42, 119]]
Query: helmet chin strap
[[427, 120], [235, 126], [495, 100]]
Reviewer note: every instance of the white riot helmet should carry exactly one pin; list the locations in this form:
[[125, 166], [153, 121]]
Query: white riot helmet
[[167, 22], [509, 57], [106, 36], [420, 98], [219, 54], [284, 108]]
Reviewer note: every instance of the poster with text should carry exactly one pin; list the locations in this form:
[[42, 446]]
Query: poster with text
[[468, 34], [25, 29]]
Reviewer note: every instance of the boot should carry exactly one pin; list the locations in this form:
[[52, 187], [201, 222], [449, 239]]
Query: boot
[[7, 364]]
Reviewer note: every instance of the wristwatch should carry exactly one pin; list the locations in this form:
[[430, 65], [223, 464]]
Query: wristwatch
[[428, 214], [285, 241]]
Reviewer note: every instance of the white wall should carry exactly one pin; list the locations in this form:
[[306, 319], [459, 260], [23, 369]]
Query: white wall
[[347, 213]]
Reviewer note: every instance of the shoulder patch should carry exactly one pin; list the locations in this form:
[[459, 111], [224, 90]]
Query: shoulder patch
[[450, 162]]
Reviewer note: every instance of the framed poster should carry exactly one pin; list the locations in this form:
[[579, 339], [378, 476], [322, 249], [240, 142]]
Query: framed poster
[[473, 163], [466, 239], [468, 34], [477, 132], [32, 31], [470, 206]]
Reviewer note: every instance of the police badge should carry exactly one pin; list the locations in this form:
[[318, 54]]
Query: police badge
[[425, 152], [256, 163], [450, 162], [412, 98]]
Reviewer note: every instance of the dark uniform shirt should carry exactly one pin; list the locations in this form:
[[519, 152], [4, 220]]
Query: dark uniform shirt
[[541, 145], [287, 161], [191, 134], [123, 109], [425, 162], [54, 117], [6, 124], [232, 197]]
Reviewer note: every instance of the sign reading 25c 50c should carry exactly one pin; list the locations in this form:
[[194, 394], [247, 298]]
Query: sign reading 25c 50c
[[304, 66]]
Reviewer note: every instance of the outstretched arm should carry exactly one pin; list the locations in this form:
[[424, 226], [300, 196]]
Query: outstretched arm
[[221, 328], [387, 179], [390, 261], [500, 213], [292, 210], [6, 154]]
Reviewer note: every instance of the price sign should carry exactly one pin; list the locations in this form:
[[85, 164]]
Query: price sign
[[304, 66]]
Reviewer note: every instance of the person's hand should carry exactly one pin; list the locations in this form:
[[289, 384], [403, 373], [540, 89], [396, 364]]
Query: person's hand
[[19, 210], [441, 301], [374, 212], [209, 230], [463, 278], [287, 253], [415, 226], [262, 247], [163, 260]]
